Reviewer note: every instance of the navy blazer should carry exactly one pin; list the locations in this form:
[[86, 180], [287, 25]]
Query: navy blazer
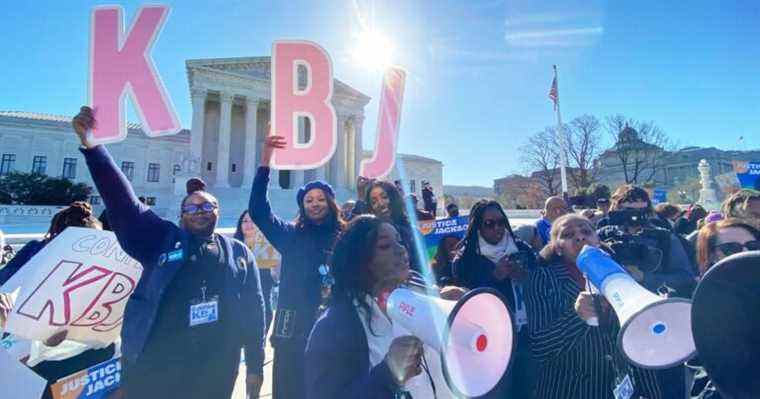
[[337, 359], [150, 240]]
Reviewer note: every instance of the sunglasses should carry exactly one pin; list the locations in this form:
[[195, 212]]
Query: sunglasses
[[198, 208], [493, 223], [731, 248]]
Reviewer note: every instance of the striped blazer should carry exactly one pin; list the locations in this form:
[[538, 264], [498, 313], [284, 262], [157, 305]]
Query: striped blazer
[[574, 359]]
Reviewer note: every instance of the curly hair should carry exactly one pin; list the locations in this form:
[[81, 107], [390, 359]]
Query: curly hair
[[78, 214]]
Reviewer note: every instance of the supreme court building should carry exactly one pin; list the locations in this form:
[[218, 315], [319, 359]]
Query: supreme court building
[[231, 105]]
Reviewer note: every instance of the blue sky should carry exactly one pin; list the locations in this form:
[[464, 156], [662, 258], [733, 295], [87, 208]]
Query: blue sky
[[479, 70]]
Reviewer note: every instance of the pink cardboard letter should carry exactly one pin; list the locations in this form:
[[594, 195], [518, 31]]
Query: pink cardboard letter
[[389, 120], [121, 65], [289, 102]]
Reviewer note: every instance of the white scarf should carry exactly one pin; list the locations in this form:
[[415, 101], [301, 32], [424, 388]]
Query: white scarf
[[495, 253]]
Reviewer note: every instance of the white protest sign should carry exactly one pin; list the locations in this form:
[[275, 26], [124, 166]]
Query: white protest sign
[[21, 380], [80, 283]]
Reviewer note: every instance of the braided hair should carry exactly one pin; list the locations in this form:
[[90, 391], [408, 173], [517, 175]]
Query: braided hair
[[469, 245], [78, 214]]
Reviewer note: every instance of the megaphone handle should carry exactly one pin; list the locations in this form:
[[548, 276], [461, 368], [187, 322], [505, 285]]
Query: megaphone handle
[[594, 321]]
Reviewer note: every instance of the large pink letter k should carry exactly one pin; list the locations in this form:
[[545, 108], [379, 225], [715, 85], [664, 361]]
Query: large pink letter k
[[121, 65]]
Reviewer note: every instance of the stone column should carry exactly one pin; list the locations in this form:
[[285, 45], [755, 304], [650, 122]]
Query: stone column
[[223, 153], [338, 161], [358, 148], [296, 179], [250, 157], [199, 122]]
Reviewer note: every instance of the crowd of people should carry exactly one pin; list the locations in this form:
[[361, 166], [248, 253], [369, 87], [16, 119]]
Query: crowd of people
[[330, 332]]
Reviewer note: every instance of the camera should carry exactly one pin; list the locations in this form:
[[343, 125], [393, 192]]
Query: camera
[[629, 217], [645, 250]]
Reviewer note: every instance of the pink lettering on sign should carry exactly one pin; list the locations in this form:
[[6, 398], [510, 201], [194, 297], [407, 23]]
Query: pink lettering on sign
[[97, 287], [121, 66], [289, 102], [406, 309], [388, 123]]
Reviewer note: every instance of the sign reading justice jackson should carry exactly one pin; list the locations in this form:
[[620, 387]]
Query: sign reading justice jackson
[[79, 283], [121, 66]]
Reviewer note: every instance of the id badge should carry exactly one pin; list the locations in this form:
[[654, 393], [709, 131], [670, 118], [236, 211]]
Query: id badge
[[204, 312], [624, 390]]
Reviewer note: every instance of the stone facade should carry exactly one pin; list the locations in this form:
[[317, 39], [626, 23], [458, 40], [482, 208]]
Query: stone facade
[[230, 101]]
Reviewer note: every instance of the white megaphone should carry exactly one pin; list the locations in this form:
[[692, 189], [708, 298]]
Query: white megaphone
[[655, 332], [474, 335]]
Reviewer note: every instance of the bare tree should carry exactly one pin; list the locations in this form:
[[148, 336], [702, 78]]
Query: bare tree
[[639, 146], [583, 139], [541, 156]]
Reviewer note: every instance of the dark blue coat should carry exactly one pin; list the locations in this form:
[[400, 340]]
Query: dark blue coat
[[146, 237], [303, 249], [337, 359], [19, 260]]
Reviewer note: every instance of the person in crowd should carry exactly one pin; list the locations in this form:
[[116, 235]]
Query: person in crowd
[[247, 232], [602, 210], [688, 223], [429, 199], [575, 359], [422, 214], [305, 245], [169, 349], [443, 261], [347, 210], [554, 207], [676, 269], [77, 214], [490, 256], [399, 187], [386, 202], [727, 237], [452, 210], [674, 274], [355, 350], [666, 215], [743, 204]]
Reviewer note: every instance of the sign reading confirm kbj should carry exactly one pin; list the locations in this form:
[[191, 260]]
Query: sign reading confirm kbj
[[121, 66], [79, 283]]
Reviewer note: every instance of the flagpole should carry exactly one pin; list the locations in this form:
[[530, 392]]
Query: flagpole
[[562, 143]]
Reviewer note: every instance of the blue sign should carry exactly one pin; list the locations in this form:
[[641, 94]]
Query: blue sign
[[748, 174]]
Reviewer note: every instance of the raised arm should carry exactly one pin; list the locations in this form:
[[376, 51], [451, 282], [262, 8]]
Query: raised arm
[[276, 230], [139, 230]]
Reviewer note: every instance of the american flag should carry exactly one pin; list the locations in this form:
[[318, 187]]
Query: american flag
[[554, 93]]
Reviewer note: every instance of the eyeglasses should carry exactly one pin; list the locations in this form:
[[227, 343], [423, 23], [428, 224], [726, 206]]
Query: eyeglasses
[[731, 248], [198, 208], [493, 223]]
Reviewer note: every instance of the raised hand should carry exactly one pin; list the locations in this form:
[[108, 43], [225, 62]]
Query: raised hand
[[83, 123], [270, 144]]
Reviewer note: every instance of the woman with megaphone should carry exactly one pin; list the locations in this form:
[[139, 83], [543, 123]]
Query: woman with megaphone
[[576, 359], [355, 350]]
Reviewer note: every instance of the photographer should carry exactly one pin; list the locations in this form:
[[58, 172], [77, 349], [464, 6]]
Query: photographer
[[655, 257], [490, 256], [428, 198]]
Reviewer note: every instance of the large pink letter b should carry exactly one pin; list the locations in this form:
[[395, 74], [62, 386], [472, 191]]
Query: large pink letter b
[[121, 65], [289, 102], [389, 120]]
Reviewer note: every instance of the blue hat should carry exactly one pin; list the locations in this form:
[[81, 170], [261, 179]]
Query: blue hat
[[325, 187]]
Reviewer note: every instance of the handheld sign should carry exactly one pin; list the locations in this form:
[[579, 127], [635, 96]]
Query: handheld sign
[[79, 283], [388, 123], [289, 102], [121, 66]]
